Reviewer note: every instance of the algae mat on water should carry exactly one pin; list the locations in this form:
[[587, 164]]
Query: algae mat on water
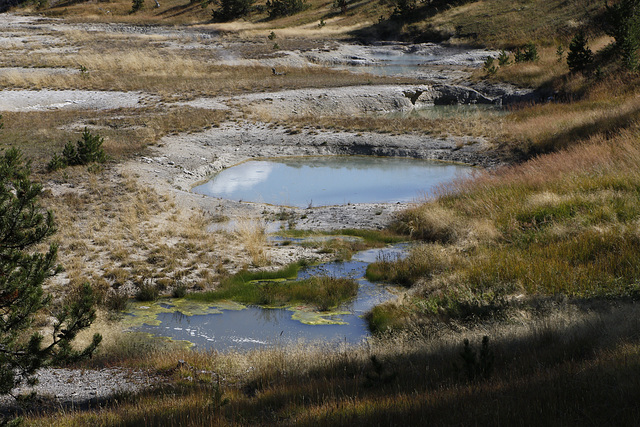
[[146, 313]]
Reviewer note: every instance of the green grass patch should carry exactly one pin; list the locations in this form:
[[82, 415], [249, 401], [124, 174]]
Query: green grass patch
[[374, 236], [386, 317], [275, 288], [241, 286], [589, 264], [324, 292]]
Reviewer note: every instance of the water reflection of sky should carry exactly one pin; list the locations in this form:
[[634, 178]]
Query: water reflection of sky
[[331, 180], [240, 178]]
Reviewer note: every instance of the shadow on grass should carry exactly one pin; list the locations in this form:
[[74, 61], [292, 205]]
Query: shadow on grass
[[550, 375], [391, 28], [577, 134], [556, 372]]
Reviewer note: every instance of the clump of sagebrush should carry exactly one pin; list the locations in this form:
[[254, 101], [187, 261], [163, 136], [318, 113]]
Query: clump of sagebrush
[[88, 149]]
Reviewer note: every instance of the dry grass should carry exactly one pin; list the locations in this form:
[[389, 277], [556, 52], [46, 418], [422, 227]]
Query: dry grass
[[550, 127], [560, 224], [505, 23], [119, 236], [576, 211], [565, 365], [114, 61], [251, 234], [361, 14], [476, 123], [202, 80], [126, 131]]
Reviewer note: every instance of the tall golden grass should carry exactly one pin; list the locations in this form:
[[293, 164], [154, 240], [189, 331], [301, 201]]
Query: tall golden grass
[[564, 365], [251, 233]]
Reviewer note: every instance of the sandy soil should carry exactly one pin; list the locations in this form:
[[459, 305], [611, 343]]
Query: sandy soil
[[71, 388]]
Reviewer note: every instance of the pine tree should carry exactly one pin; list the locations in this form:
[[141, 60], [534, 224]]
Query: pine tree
[[24, 225], [232, 9], [622, 22], [579, 56]]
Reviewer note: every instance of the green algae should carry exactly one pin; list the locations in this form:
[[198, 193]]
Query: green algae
[[147, 313], [309, 316]]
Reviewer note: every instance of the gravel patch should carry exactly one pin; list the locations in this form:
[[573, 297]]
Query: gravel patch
[[42, 100], [78, 387]]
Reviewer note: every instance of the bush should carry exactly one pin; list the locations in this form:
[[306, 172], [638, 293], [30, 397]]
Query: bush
[[277, 8], [232, 9], [56, 162], [179, 291], [490, 66], [87, 150], [340, 4], [403, 8], [147, 292], [116, 301], [528, 54], [579, 56], [136, 5], [503, 58]]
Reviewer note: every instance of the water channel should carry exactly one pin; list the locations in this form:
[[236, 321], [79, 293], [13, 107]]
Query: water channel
[[226, 325], [303, 182]]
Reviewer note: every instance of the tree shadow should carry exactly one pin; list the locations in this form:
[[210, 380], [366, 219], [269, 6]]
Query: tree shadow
[[407, 13]]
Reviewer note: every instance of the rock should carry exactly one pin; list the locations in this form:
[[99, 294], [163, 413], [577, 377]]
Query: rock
[[455, 95]]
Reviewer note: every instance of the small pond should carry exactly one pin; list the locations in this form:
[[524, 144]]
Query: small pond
[[391, 63], [331, 180], [227, 325], [420, 60]]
